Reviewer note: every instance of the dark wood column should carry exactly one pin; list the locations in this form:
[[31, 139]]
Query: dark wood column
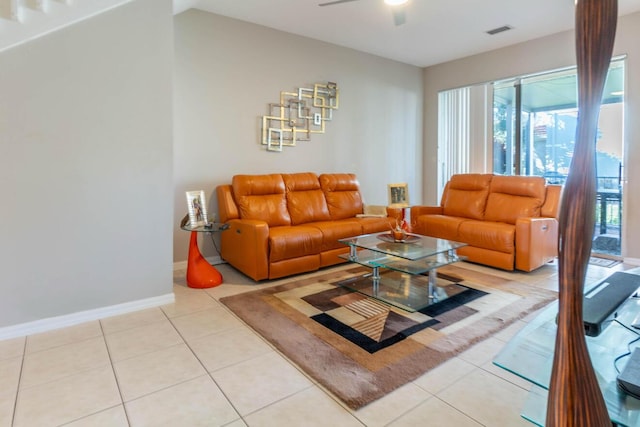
[[575, 398]]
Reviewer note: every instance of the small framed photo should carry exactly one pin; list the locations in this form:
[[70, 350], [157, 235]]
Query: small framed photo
[[399, 195], [197, 207]]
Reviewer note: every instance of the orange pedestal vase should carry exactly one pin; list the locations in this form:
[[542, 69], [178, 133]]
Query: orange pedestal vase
[[200, 274]]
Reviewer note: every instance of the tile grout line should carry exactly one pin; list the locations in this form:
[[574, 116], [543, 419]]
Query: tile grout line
[[241, 417], [273, 349], [459, 411], [15, 401], [115, 376]]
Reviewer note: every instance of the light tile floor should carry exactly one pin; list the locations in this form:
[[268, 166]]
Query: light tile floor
[[194, 363]]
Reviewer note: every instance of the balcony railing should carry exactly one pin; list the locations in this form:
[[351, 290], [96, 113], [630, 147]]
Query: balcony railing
[[607, 230]]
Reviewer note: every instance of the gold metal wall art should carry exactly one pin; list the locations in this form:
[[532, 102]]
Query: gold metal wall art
[[298, 115]]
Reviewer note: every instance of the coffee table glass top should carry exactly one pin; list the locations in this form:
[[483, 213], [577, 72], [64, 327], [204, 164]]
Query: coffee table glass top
[[529, 354], [208, 228], [415, 248]]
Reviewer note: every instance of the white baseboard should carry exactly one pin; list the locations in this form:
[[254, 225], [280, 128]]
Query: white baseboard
[[44, 325], [180, 265], [213, 260]]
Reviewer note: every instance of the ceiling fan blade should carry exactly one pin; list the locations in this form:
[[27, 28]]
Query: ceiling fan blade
[[399, 17], [331, 3]]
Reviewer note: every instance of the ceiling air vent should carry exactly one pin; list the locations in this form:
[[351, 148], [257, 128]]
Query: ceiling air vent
[[499, 30]]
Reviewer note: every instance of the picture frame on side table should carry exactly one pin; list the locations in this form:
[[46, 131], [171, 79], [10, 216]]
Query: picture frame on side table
[[398, 195], [197, 207]]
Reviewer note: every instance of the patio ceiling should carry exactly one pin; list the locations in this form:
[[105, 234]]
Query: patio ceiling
[[558, 90]]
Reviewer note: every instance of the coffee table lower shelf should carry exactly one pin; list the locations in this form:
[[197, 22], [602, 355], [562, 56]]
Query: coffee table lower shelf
[[405, 291]]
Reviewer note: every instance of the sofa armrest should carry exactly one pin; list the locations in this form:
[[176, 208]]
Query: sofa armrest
[[245, 245], [536, 242], [416, 211], [425, 210]]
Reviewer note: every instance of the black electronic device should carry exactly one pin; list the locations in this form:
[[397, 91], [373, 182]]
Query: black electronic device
[[602, 301], [629, 378]]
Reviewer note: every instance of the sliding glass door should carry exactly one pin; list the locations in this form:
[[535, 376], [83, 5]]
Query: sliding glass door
[[534, 125]]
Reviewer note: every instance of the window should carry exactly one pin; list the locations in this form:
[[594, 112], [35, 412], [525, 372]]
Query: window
[[534, 127]]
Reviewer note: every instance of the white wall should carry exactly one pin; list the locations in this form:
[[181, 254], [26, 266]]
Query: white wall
[[85, 165], [228, 71], [542, 54]]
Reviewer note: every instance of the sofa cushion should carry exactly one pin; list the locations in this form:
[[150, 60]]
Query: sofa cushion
[[375, 224], [261, 197], [496, 236], [512, 197], [466, 195], [334, 230], [342, 193], [293, 242], [441, 226], [305, 199]]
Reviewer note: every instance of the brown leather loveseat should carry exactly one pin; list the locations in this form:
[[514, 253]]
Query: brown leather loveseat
[[507, 221], [284, 224]]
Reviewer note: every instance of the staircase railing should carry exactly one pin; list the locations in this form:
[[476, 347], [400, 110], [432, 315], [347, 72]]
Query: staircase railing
[[24, 20]]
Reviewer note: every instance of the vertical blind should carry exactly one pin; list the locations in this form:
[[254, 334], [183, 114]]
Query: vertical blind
[[454, 134]]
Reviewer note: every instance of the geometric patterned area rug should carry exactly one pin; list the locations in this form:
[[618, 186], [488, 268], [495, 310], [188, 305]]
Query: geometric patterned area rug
[[361, 349]]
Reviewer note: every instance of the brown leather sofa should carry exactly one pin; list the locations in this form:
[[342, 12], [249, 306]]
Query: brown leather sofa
[[284, 224], [508, 222]]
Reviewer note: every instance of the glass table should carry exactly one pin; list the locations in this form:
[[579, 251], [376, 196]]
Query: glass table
[[410, 268], [201, 274], [529, 355]]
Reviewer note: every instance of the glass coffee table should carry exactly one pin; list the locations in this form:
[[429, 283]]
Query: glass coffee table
[[529, 355], [408, 279]]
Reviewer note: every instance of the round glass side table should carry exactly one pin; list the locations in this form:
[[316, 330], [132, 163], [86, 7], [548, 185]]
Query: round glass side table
[[201, 274]]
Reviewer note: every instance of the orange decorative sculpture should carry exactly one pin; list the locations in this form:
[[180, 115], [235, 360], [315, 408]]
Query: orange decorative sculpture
[[575, 398]]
